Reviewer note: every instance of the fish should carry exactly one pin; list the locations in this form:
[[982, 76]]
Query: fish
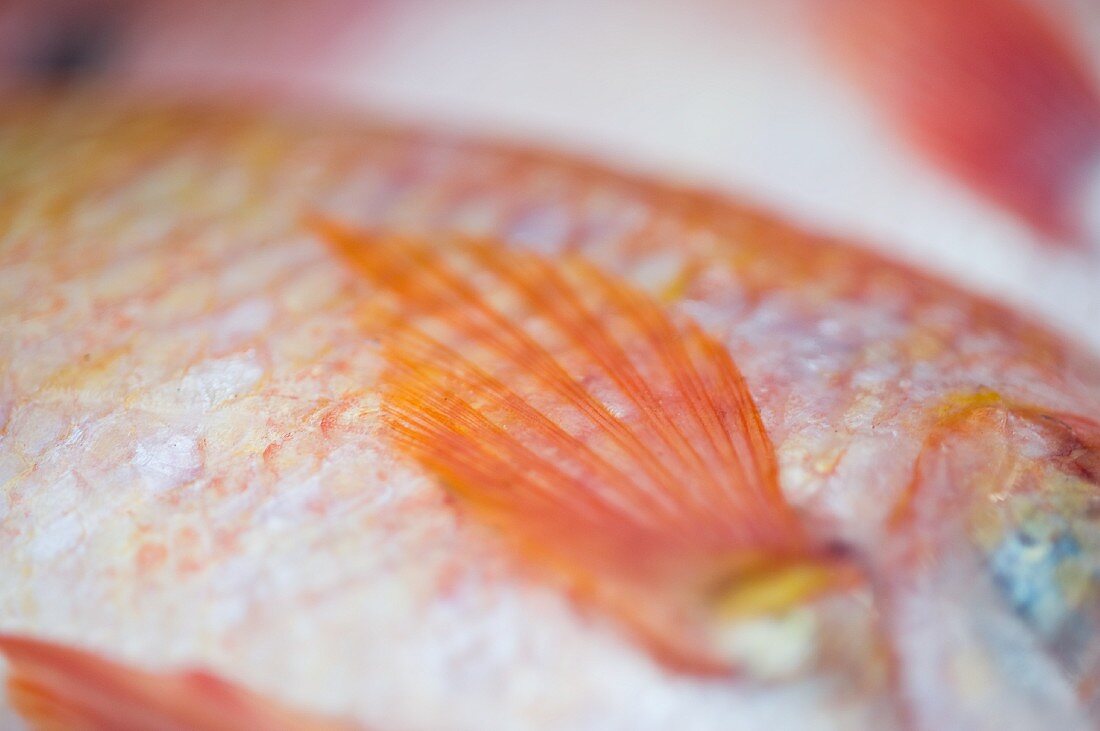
[[994, 92], [417, 430]]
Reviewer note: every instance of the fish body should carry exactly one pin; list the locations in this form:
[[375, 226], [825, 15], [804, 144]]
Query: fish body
[[198, 471]]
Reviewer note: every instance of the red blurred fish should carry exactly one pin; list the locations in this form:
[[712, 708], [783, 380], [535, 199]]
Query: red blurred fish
[[993, 90]]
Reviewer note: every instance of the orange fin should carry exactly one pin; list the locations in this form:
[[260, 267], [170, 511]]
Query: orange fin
[[615, 444], [992, 90], [57, 687]]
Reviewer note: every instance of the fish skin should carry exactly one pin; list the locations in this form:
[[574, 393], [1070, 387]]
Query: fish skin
[[191, 464]]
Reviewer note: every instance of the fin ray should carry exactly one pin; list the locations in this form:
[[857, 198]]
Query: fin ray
[[615, 443]]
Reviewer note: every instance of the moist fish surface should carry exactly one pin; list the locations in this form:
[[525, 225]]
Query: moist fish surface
[[197, 471]]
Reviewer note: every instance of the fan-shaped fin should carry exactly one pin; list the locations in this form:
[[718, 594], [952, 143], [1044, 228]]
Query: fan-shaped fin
[[613, 442]]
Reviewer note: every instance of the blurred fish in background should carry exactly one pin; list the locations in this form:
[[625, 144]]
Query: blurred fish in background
[[995, 91]]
